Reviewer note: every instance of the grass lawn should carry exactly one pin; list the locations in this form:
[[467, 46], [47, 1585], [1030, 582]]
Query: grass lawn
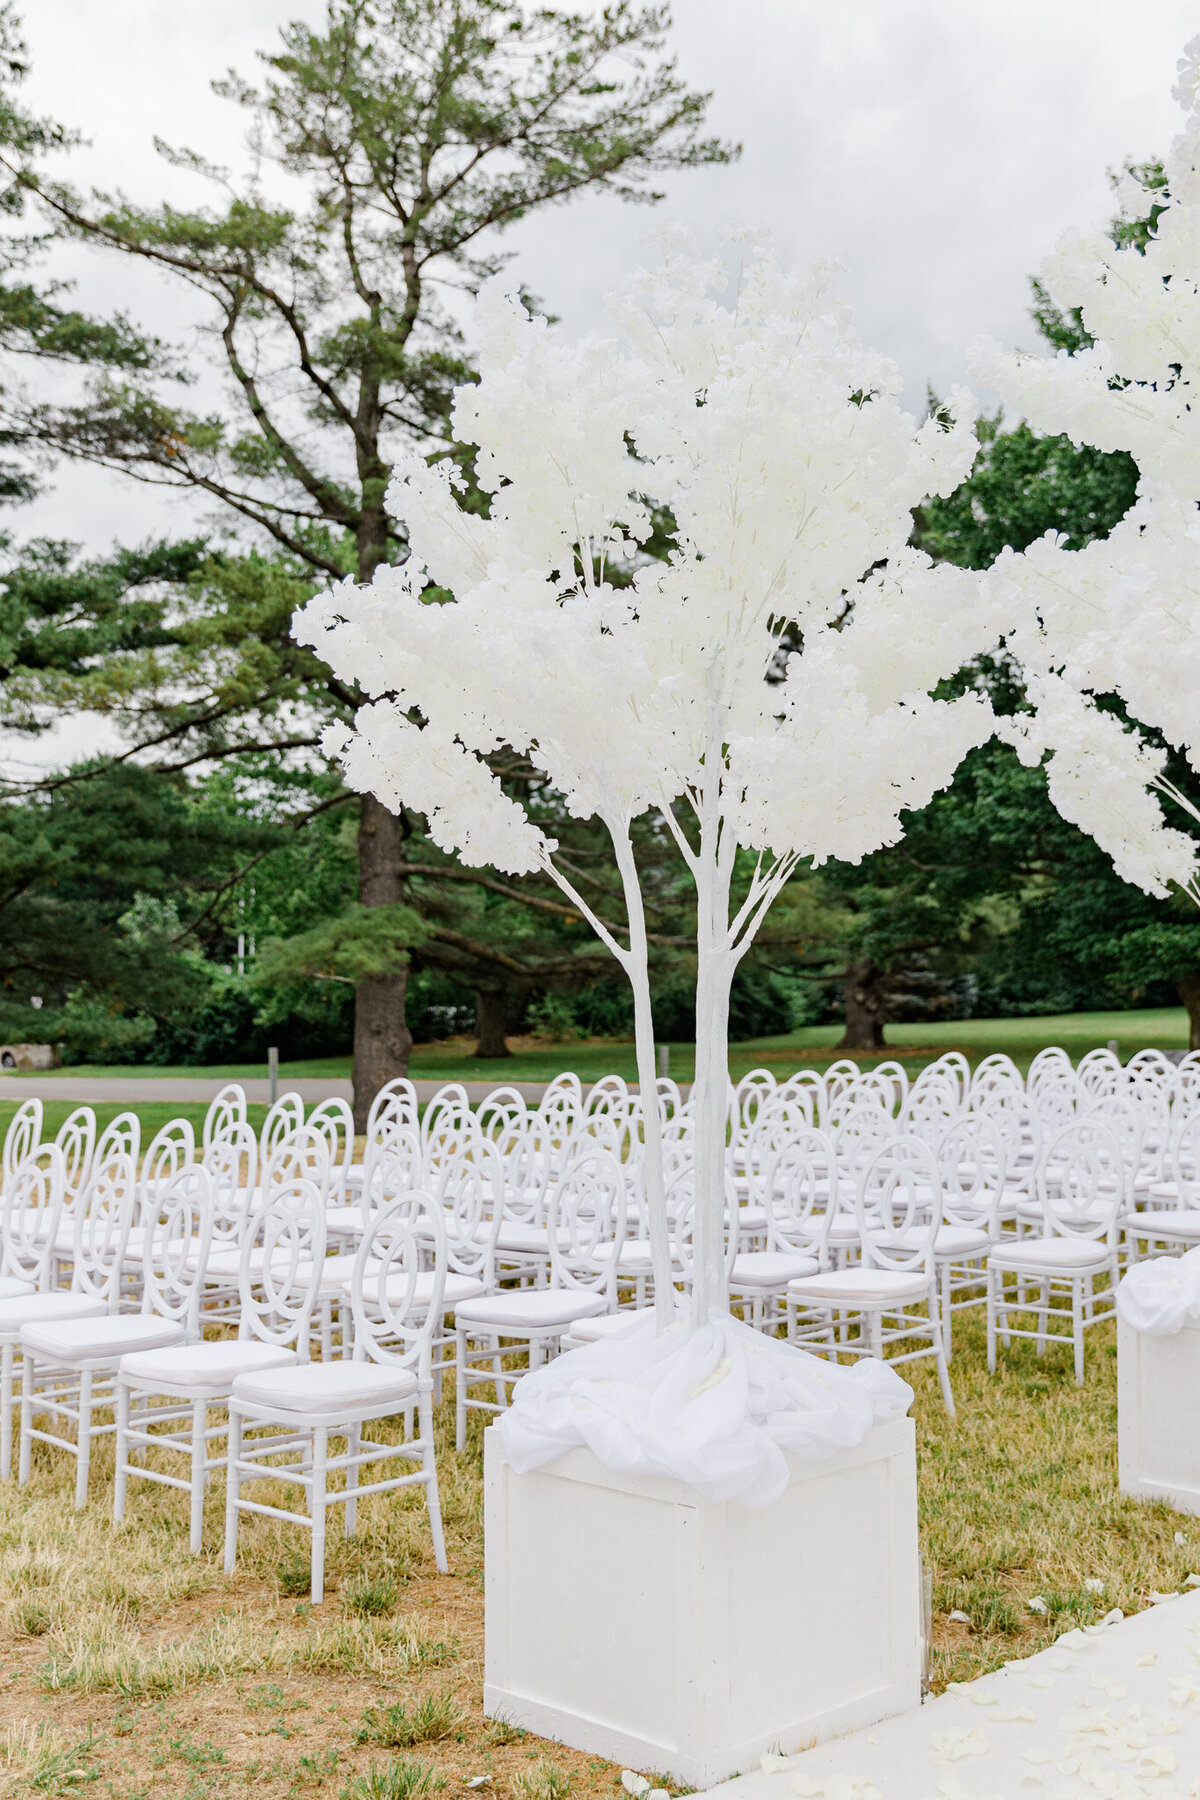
[[814, 1047], [150, 1672]]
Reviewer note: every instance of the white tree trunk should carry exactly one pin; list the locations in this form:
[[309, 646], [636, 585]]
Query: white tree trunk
[[710, 1092]]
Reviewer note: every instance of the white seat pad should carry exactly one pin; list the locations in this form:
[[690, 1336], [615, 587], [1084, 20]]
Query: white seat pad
[[457, 1288], [1165, 1222], [1051, 1253], [770, 1268], [118, 1334], [539, 1309], [951, 1240], [589, 1330], [12, 1287], [32, 1309], [327, 1387], [859, 1286], [203, 1368]]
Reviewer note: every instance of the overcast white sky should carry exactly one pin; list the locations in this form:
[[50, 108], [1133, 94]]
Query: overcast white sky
[[937, 146]]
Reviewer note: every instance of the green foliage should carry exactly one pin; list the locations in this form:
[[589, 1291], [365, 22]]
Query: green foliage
[[363, 941]]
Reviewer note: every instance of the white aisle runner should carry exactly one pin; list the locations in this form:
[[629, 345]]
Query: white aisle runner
[[1108, 1713]]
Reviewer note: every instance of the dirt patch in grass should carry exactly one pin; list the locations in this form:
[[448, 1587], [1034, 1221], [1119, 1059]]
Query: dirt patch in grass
[[128, 1665]]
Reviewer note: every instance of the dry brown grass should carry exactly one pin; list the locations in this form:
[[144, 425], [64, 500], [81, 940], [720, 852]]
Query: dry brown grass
[[128, 1666]]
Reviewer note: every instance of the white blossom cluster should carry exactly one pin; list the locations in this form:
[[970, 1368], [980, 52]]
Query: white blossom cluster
[[1122, 616], [743, 404]]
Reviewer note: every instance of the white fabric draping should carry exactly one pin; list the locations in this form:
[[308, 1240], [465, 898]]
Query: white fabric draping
[[718, 1406], [1161, 1295]]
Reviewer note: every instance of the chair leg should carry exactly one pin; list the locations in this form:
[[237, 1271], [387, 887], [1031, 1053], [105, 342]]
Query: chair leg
[[317, 1505], [991, 1320], [940, 1354], [460, 1388], [83, 1440], [199, 1455], [26, 1419], [6, 1411], [353, 1450], [498, 1372], [233, 1454], [120, 1471], [432, 1496], [1077, 1326], [947, 1297]]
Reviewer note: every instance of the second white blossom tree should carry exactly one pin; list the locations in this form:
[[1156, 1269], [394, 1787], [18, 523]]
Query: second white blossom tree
[[1120, 617], [740, 403]]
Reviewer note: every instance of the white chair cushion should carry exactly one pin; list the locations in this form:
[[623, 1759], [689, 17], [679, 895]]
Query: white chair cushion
[[203, 1368], [522, 1240], [860, 1287], [32, 1309], [119, 1334], [533, 1309], [770, 1268], [1165, 1222], [12, 1287], [327, 1387], [457, 1288], [1038, 1254], [589, 1330], [951, 1240]]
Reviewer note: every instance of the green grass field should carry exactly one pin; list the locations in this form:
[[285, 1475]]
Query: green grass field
[[812, 1047]]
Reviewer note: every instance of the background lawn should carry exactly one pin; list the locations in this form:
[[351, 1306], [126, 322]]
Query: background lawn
[[813, 1047]]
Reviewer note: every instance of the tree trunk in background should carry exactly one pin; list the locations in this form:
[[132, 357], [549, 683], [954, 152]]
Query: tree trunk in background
[[1189, 993], [866, 1008], [382, 1039], [489, 1023]]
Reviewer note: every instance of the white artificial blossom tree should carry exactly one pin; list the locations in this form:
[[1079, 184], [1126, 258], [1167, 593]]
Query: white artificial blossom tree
[[737, 398], [1121, 616]]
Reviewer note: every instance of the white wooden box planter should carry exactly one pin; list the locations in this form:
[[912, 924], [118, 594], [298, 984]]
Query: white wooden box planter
[[1158, 1415], [633, 1620]]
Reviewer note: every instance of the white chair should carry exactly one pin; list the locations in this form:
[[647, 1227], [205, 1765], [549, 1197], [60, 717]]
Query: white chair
[[76, 1360], [898, 1208], [585, 1228], [22, 1138], [299, 1409], [32, 1201], [283, 1116], [279, 1272], [800, 1190], [76, 1139], [1083, 1185], [226, 1111]]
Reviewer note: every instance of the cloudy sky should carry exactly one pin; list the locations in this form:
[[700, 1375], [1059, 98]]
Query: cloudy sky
[[937, 146]]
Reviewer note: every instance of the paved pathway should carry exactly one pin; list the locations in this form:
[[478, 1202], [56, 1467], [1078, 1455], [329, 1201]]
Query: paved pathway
[[1112, 1711]]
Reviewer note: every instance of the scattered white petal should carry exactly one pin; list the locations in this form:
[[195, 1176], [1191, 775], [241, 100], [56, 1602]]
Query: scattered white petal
[[1105, 1684], [1157, 1599], [1039, 1604], [771, 1762], [1041, 1681], [807, 1790], [1180, 1539], [1192, 1581], [959, 1618], [1114, 1617], [984, 1698], [1035, 1756], [634, 1784], [957, 1742], [1147, 1660], [1094, 1585]]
